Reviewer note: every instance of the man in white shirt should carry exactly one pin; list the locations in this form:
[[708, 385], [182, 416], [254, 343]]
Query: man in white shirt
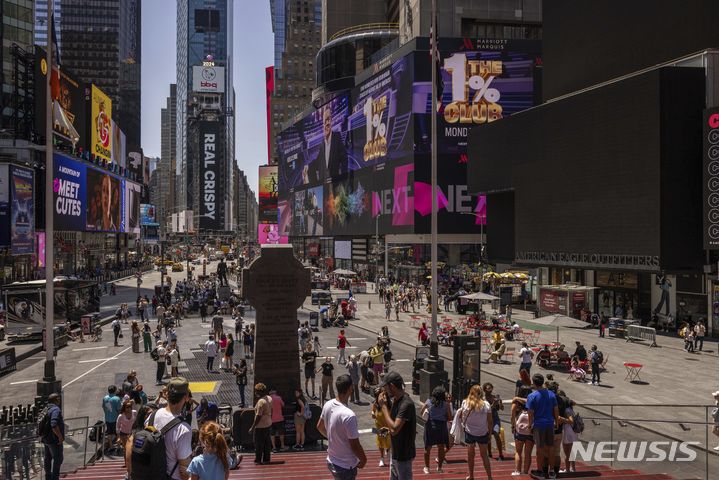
[[211, 351], [338, 423], [527, 354], [178, 440], [161, 362]]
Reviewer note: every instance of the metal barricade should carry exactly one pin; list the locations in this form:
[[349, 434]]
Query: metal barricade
[[637, 332]]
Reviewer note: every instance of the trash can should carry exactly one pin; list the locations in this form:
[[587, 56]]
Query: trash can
[[88, 322]]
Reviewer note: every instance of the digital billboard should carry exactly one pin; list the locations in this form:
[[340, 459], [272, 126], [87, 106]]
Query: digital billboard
[[268, 234], [22, 211], [69, 186], [208, 79], [40, 236], [148, 215], [4, 204], [269, 91], [268, 194], [211, 195], [103, 209], [314, 149], [284, 215], [308, 212], [101, 130], [119, 146], [131, 208]]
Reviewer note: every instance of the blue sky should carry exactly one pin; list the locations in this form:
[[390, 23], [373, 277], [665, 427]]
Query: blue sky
[[253, 52]]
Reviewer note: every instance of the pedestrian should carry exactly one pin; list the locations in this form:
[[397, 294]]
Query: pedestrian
[[229, 353], [338, 423], [125, 421], [240, 372], [423, 334], [376, 353], [261, 425], [116, 330], [203, 312], [353, 369], [396, 310], [699, 331], [217, 323], [327, 370], [178, 444], [436, 412], [569, 435], [215, 461], [309, 358], [495, 402], [206, 412], [53, 438], [342, 344], [527, 355], [522, 431], [174, 360], [543, 417], [238, 327], [715, 416], [401, 419], [602, 326], [300, 419], [146, 336], [317, 345], [159, 354], [388, 310], [211, 352], [595, 361], [111, 404], [475, 415], [278, 422], [382, 432], [135, 335]]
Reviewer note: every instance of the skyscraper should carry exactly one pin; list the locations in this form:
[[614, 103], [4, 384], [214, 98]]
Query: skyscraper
[[101, 44], [16, 29], [41, 22], [168, 120], [204, 34], [297, 26]]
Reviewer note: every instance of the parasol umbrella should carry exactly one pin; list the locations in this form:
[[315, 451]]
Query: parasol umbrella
[[490, 275], [559, 320], [521, 276], [479, 296], [341, 271]]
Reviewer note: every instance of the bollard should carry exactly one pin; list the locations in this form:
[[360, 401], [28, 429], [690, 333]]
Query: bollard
[[369, 305]]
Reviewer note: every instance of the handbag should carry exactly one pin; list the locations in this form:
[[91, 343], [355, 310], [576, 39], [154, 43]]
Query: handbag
[[457, 430], [425, 415], [121, 335]]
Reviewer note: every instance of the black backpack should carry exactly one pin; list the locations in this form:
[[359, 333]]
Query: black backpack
[[148, 451], [43, 422], [154, 354], [600, 357]]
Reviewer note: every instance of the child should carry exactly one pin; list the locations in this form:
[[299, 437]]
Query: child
[[569, 436], [383, 438], [215, 462], [317, 345], [578, 374]]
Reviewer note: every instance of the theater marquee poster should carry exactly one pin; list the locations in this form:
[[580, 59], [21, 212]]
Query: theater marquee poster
[[101, 129]]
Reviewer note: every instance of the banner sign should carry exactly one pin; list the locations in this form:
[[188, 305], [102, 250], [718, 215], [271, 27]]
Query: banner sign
[[101, 131], [22, 223], [711, 179], [148, 215], [268, 234], [211, 196], [208, 79], [268, 194], [69, 188], [4, 205]]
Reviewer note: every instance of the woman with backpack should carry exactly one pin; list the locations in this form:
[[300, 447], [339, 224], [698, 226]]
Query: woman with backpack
[[302, 414], [436, 412], [522, 431]]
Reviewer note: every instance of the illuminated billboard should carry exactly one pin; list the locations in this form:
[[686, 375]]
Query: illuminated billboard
[[69, 187], [22, 211], [268, 194], [148, 215], [131, 208], [101, 130], [268, 234], [103, 210], [208, 79]]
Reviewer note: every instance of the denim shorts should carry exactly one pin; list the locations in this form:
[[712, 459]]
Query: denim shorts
[[519, 437], [470, 439], [339, 473]]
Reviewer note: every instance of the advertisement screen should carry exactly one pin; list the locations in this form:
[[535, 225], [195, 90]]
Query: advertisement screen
[[208, 79], [268, 234], [268, 194], [101, 130], [4, 205], [69, 188], [22, 223], [284, 214], [104, 199], [347, 204], [308, 212], [343, 249], [711, 179], [40, 249], [119, 145], [132, 207], [211, 184], [148, 215], [315, 149], [380, 124]]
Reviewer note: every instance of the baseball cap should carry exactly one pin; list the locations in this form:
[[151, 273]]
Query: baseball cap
[[392, 378], [178, 385]]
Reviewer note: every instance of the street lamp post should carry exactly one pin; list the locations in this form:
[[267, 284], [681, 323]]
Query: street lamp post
[[49, 383], [481, 246], [433, 342]]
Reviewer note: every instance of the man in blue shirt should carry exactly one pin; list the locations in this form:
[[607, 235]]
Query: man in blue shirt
[[54, 438], [111, 404], [206, 412], [543, 418]]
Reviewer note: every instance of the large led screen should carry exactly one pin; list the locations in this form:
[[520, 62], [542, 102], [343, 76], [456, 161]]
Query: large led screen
[[69, 187], [268, 194], [104, 213], [131, 211], [22, 217]]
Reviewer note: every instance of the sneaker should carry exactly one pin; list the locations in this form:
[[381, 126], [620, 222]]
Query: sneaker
[[381, 462], [563, 470], [515, 473], [426, 470]]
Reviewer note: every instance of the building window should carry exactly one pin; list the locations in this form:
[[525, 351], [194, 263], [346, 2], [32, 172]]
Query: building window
[[474, 28]]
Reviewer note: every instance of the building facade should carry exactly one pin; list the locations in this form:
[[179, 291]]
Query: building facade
[[102, 45], [204, 37], [17, 29], [168, 119], [297, 29]]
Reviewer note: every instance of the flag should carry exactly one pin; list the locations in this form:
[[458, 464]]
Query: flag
[[434, 48], [55, 56]]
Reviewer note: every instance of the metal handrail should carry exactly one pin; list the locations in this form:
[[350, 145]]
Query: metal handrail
[[364, 27]]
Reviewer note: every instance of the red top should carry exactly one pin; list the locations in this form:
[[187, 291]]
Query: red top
[[423, 333], [341, 341]]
